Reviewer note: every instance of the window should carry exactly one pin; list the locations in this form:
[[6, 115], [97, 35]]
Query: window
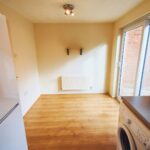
[[134, 70], [145, 86]]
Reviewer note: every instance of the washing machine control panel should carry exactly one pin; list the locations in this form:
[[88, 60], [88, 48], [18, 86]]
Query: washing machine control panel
[[136, 127]]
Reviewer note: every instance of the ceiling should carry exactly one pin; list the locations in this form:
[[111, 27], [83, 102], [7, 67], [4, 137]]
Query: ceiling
[[44, 11]]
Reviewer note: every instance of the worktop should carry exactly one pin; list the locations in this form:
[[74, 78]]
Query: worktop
[[140, 106]]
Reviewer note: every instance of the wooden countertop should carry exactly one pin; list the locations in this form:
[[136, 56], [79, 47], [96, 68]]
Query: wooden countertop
[[140, 106]]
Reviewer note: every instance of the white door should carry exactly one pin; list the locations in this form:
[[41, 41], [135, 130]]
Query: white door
[[12, 132], [8, 84]]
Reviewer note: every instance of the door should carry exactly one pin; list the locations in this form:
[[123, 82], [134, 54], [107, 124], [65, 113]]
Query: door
[[12, 132], [8, 85], [132, 59]]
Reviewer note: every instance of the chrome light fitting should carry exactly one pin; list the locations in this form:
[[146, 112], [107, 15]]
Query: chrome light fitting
[[68, 9]]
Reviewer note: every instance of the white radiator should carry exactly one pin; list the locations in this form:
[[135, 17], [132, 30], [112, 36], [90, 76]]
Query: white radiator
[[73, 83]]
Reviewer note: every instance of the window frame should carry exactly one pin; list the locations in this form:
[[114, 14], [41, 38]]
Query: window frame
[[145, 22]]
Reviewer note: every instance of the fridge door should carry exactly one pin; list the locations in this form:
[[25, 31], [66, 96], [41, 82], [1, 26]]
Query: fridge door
[[12, 133], [6, 107]]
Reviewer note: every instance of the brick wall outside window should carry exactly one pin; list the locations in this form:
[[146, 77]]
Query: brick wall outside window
[[130, 60], [132, 47]]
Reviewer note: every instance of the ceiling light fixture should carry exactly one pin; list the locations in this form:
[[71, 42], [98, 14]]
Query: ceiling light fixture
[[68, 9]]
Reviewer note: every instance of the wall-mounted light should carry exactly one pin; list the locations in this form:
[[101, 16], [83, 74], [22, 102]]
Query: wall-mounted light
[[68, 9]]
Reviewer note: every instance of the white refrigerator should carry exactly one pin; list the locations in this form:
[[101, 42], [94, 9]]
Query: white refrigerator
[[12, 131]]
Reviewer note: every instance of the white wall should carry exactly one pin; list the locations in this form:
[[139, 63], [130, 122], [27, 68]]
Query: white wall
[[53, 39], [23, 45]]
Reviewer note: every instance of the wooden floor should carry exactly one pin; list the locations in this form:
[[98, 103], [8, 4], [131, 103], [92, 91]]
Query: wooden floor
[[72, 122]]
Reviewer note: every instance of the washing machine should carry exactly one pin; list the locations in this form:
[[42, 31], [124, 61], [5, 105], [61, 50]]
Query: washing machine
[[132, 133]]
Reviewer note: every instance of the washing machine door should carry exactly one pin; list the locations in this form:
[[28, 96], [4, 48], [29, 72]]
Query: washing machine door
[[125, 139]]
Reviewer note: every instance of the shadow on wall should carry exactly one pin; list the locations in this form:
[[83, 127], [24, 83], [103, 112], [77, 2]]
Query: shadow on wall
[[52, 41]]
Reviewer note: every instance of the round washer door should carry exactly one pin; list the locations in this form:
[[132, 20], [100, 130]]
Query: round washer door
[[125, 139]]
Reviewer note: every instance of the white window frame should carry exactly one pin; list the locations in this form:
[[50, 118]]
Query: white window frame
[[143, 48]]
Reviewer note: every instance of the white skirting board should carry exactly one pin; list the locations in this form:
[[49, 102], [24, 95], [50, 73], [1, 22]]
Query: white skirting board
[[75, 83]]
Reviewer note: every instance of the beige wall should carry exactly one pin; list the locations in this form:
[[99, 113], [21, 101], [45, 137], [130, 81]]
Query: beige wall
[[52, 39], [23, 45], [96, 40], [137, 12]]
